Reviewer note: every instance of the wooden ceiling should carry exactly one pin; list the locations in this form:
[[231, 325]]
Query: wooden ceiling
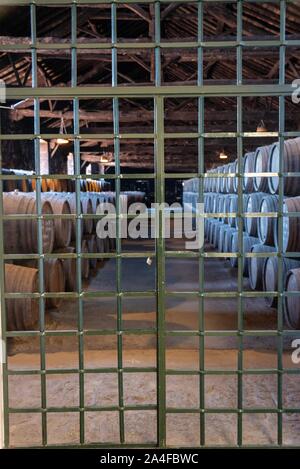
[[136, 66]]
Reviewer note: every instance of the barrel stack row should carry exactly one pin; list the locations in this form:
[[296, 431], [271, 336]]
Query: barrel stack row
[[259, 233], [256, 166], [28, 184], [58, 235]]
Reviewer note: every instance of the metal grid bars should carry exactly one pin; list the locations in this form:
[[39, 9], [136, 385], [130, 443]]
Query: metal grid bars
[[158, 94]]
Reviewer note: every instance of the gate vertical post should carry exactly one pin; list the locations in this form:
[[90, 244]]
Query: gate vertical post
[[160, 266]]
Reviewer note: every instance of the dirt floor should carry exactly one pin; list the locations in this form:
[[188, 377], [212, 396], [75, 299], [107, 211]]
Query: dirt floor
[[182, 353]]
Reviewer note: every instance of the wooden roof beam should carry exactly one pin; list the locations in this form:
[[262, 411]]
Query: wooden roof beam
[[139, 11], [136, 116]]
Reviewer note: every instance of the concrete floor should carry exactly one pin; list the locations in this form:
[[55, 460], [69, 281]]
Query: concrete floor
[[182, 353], [140, 388]]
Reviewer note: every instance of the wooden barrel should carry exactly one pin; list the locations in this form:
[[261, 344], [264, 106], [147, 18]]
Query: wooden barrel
[[227, 207], [207, 181], [71, 185], [248, 168], [220, 206], [64, 185], [21, 236], [87, 209], [227, 243], [219, 179], [69, 266], [10, 185], [270, 275], [267, 225], [55, 185], [30, 185], [63, 227], [213, 204], [248, 242], [292, 303], [205, 186], [214, 181], [291, 164], [232, 208], [33, 184], [211, 234], [261, 161], [236, 178], [54, 280], [207, 226], [223, 186], [72, 203], [255, 266], [187, 186], [207, 202], [220, 239], [23, 185], [234, 249], [23, 313], [211, 181], [215, 233], [6, 182], [291, 226], [253, 206], [44, 185], [215, 236], [83, 185], [229, 180], [209, 229], [92, 249]]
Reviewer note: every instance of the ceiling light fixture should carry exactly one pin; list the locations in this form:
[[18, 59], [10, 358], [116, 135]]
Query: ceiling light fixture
[[261, 127], [223, 155]]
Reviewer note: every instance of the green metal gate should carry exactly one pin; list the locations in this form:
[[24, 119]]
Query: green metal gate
[[158, 93]]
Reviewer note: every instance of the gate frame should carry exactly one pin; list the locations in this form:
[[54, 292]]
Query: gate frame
[[158, 93]]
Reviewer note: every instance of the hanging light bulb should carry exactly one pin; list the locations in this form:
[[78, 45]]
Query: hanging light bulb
[[104, 159], [63, 131], [223, 155], [261, 127], [62, 141]]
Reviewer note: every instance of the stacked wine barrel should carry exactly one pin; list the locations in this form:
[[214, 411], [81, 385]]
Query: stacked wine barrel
[[258, 234], [56, 234], [28, 184]]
